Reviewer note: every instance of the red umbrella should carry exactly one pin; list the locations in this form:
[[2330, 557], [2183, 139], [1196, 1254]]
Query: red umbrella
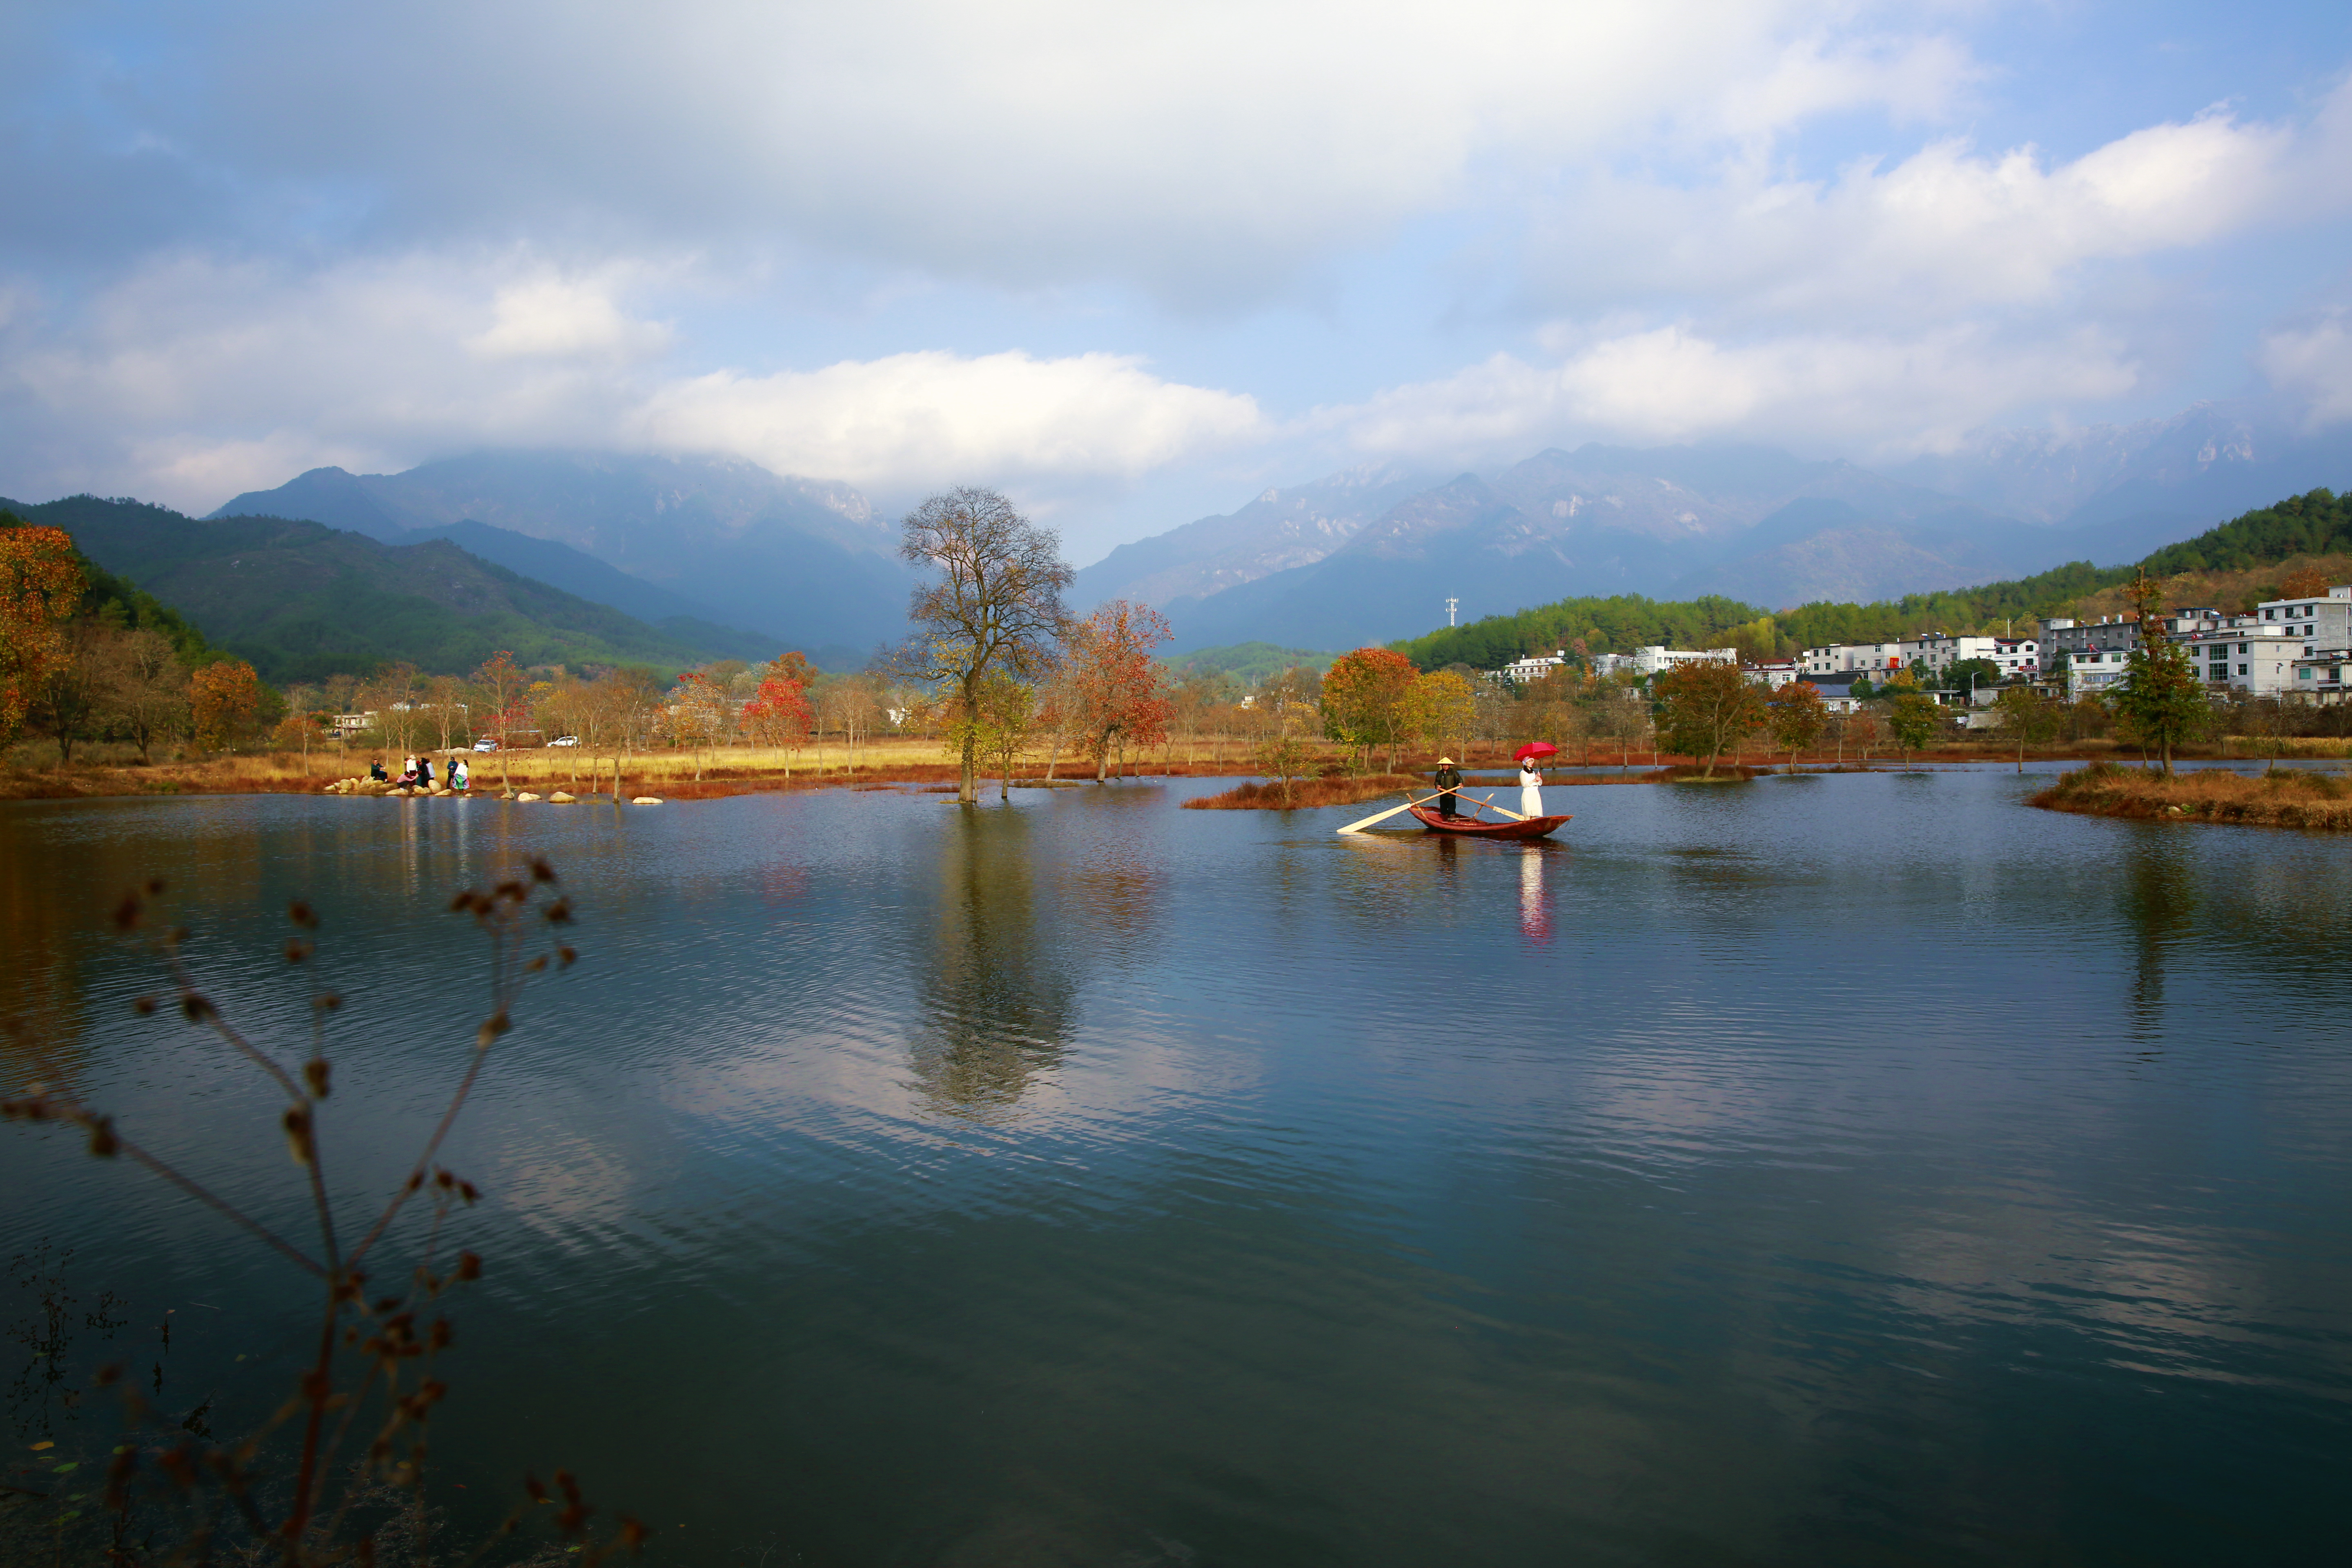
[[1535, 749]]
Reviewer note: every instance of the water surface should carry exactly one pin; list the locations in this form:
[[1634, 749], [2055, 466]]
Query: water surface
[[1839, 1169]]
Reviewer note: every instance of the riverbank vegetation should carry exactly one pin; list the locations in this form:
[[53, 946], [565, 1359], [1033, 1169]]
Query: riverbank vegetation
[[2297, 797]]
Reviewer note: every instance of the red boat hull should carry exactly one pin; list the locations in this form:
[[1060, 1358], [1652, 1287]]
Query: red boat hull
[[1471, 828]]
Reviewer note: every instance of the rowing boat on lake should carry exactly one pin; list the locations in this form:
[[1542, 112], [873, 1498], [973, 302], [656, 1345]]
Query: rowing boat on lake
[[1471, 828]]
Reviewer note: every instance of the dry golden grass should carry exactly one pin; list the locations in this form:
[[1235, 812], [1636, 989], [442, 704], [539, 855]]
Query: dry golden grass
[[2295, 798]]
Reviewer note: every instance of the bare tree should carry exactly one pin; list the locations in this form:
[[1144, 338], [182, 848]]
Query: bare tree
[[996, 604]]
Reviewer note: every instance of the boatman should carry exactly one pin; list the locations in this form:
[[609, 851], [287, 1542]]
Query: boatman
[[1449, 779]]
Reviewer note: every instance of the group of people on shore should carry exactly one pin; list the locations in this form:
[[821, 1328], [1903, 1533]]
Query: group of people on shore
[[416, 773]]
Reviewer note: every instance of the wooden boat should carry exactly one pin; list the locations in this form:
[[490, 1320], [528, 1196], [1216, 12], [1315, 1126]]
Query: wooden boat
[[1472, 827]]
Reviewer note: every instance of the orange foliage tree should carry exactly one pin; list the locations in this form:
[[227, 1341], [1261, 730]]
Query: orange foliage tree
[[778, 713], [223, 698], [41, 587], [1115, 684], [1368, 701]]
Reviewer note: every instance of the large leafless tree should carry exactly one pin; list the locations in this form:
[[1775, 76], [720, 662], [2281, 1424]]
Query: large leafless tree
[[993, 603]]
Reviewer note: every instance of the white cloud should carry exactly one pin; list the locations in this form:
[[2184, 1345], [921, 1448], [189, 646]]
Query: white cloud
[[2312, 363], [1206, 149], [926, 419], [1884, 394], [1944, 231], [552, 317], [195, 379]]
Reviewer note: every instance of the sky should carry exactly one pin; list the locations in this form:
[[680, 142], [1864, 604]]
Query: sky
[[1134, 263]]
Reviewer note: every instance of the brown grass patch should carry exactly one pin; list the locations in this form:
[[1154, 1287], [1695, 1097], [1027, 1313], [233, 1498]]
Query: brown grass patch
[[1306, 793], [2295, 798]]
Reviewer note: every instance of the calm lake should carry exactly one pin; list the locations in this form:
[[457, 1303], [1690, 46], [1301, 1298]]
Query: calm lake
[[1853, 1169]]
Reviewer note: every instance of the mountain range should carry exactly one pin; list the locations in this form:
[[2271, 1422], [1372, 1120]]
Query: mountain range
[[694, 558], [713, 539], [1372, 555]]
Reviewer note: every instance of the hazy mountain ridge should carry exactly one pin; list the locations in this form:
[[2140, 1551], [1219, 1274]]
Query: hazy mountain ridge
[[804, 562], [1752, 522], [1275, 532], [2211, 457]]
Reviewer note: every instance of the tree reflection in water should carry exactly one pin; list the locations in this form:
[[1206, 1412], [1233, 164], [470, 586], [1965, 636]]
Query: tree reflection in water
[[2160, 899], [998, 1000]]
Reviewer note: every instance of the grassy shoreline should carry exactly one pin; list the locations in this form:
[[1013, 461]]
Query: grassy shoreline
[[2298, 798], [742, 771]]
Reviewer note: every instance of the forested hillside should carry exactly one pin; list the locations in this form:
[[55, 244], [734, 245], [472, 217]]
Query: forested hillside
[[301, 601], [2317, 524]]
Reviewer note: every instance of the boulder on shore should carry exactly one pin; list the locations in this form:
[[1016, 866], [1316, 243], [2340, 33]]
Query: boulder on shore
[[559, 798], [526, 795], [646, 800]]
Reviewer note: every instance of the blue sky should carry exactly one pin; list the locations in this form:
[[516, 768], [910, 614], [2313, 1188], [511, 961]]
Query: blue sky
[[1135, 262]]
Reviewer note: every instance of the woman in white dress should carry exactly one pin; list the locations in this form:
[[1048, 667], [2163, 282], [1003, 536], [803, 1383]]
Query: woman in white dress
[[1531, 789]]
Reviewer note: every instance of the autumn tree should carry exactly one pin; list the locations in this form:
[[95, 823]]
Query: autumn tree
[[1796, 717], [1705, 707], [995, 601], [1443, 704], [2160, 696], [1115, 683], [150, 694], [223, 699], [1204, 699], [1366, 700], [2025, 719], [444, 701], [41, 587], [778, 714], [698, 714], [69, 702], [1007, 712], [1911, 714], [502, 684]]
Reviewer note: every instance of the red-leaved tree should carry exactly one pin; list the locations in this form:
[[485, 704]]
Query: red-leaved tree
[[1116, 689], [778, 714]]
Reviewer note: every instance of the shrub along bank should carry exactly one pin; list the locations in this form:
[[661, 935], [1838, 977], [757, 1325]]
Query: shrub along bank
[[2297, 797]]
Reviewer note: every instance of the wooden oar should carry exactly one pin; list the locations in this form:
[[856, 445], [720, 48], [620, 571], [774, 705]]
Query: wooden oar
[[1384, 816], [1488, 803]]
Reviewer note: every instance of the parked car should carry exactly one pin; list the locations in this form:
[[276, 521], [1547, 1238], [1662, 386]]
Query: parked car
[[487, 743], [565, 741]]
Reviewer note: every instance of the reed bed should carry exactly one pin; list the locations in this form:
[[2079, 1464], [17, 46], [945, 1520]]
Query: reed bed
[[2297, 798]]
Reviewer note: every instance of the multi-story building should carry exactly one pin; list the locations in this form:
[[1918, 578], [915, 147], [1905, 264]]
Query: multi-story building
[[2323, 678], [1772, 677], [1875, 660], [2247, 655], [2323, 622], [1930, 652], [1657, 660], [1535, 667]]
